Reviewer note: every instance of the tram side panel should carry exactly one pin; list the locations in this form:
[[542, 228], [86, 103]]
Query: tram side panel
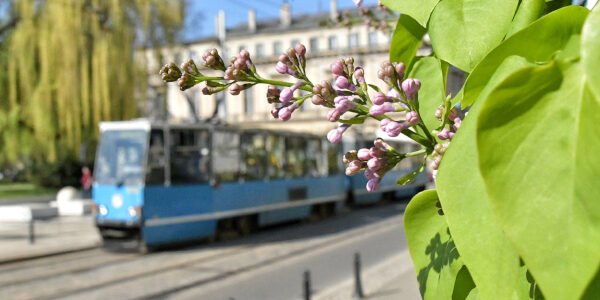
[[177, 213]]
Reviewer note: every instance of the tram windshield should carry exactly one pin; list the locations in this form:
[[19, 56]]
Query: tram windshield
[[120, 158]]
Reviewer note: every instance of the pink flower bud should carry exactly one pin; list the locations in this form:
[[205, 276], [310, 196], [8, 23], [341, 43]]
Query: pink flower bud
[[444, 134], [282, 68], [400, 69], [286, 95], [450, 135], [286, 112], [342, 82], [244, 54], [345, 105], [359, 75], [373, 184], [457, 123], [235, 89], [379, 98], [394, 94], [364, 154], [383, 123], [333, 115], [411, 87], [376, 152], [378, 110], [355, 166], [316, 100], [369, 174], [337, 68], [412, 117], [300, 49], [334, 136], [275, 112]]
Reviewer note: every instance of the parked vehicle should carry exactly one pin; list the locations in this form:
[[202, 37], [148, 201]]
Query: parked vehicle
[[157, 184]]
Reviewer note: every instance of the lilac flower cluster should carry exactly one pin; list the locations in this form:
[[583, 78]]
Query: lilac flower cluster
[[348, 99], [374, 162]]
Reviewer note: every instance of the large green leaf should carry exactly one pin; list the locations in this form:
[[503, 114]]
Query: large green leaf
[[463, 31], [492, 260], [418, 10], [406, 41], [528, 11], [590, 50], [538, 43], [432, 93], [431, 247], [538, 143]]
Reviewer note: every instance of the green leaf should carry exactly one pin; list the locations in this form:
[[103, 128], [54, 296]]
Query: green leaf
[[538, 142], [355, 120], [590, 50], [432, 93], [431, 247], [463, 31], [464, 285], [492, 260], [528, 11], [418, 10], [537, 43], [410, 177], [406, 41]]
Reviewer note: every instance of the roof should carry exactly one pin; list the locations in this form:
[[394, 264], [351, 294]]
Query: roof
[[273, 25]]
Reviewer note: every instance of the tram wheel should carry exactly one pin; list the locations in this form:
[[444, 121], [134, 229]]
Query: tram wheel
[[245, 225]]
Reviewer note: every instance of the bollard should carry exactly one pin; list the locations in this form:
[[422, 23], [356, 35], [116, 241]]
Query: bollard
[[31, 232], [306, 285], [358, 290]]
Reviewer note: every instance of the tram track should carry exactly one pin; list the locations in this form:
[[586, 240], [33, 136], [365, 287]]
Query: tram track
[[121, 271]]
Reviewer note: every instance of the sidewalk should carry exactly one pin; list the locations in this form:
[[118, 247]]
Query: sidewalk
[[392, 279], [54, 236]]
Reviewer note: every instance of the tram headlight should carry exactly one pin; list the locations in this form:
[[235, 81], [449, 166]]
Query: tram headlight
[[102, 210], [132, 211]]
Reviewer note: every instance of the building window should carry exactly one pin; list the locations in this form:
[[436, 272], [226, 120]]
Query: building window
[[353, 40], [373, 38], [248, 101], [260, 51], [276, 48], [221, 105], [193, 55], [314, 45], [194, 96], [333, 43], [295, 42]]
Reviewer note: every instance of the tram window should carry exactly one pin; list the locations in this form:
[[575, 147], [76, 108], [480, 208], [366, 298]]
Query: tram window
[[226, 155], [275, 150], [314, 154], [334, 157], [254, 157], [189, 156], [156, 158], [295, 150]]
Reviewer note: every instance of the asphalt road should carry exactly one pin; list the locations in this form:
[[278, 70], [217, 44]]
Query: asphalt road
[[265, 265]]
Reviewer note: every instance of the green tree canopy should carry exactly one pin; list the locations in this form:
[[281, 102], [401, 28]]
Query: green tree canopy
[[70, 64]]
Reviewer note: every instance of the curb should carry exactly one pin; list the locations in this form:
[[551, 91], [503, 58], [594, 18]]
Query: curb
[[16, 259]]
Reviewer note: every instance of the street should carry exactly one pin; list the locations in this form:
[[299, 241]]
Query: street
[[266, 265]]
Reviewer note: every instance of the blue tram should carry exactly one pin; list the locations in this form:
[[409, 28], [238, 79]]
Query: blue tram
[[158, 184]]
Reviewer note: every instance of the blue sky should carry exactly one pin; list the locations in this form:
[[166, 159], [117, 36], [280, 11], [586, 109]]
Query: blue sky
[[201, 13]]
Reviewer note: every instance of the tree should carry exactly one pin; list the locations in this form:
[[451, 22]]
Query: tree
[[70, 64]]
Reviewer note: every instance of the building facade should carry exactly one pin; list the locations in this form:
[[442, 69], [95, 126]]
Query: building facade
[[266, 40]]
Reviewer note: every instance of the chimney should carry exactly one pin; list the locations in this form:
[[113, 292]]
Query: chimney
[[220, 26], [285, 15], [252, 21], [333, 11]]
